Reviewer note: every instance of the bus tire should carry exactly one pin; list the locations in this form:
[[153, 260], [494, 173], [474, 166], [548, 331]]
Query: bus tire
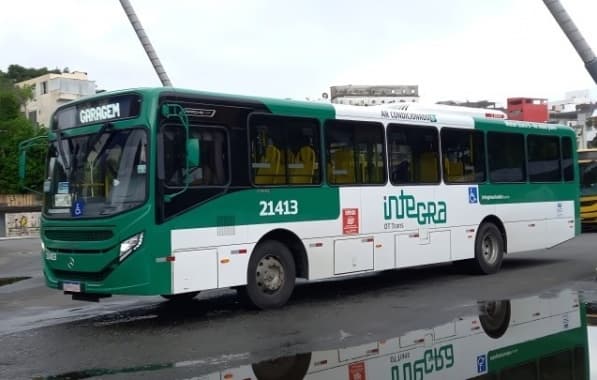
[[182, 297], [489, 249], [271, 275], [495, 318]]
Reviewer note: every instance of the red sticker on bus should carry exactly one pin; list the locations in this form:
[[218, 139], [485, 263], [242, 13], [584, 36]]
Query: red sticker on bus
[[356, 371], [350, 221]]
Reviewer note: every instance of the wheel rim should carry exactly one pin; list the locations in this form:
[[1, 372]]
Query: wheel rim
[[490, 248], [269, 274]]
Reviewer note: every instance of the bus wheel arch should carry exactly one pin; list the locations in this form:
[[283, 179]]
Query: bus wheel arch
[[296, 247], [273, 267], [490, 244], [498, 223]]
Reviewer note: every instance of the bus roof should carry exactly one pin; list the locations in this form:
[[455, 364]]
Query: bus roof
[[445, 114], [489, 113]]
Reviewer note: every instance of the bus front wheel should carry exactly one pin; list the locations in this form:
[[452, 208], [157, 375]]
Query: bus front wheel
[[489, 249], [271, 275]]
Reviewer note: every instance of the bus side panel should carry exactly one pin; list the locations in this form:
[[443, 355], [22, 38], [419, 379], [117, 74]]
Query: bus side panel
[[320, 255], [559, 230], [527, 227], [233, 261], [464, 214], [194, 270]]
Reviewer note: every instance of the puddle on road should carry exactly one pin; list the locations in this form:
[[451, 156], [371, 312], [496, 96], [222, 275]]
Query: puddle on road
[[11, 280], [539, 335]]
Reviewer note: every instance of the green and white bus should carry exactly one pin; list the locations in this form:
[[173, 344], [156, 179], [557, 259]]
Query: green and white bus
[[170, 192]]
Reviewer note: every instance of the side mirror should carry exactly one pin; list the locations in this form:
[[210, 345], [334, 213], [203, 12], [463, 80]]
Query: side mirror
[[24, 146], [176, 111]]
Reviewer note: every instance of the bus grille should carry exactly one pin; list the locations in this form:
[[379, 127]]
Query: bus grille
[[82, 276], [67, 235]]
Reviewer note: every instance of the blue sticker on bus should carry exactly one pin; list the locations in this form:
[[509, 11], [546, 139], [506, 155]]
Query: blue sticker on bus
[[473, 195], [78, 208], [481, 363]]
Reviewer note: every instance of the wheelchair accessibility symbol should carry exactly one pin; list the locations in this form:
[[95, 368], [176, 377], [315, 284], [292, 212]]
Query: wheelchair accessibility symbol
[[78, 208], [481, 363], [473, 195]]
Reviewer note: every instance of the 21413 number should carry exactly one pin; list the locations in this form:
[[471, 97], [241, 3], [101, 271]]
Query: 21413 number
[[271, 208]]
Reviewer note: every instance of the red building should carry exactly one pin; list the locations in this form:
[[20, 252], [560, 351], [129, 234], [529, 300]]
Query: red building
[[528, 109]]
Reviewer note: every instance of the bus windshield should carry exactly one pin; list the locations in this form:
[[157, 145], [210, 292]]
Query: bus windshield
[[588, 178], [96, 175]]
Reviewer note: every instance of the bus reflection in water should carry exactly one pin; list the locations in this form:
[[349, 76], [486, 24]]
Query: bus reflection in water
[[519, 339]]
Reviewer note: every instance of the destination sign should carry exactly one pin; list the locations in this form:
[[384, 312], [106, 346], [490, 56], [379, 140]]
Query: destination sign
[[97, 111], [109, 111]]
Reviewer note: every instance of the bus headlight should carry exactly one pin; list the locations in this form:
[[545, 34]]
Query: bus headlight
[[129, 245]]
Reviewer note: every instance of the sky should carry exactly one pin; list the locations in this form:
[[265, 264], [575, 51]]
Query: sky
[[452, 49]]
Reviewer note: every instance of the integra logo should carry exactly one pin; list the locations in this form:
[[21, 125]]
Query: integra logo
[[434, 360], [406, 206]]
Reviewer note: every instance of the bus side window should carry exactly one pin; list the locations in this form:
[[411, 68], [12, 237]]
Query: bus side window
[[213, 157], [413, 154], [356, 152], [284, 150], [463, 155], [173, 137]]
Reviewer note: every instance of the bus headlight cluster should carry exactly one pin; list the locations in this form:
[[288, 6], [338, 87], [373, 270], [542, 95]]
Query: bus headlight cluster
[[130, 245]]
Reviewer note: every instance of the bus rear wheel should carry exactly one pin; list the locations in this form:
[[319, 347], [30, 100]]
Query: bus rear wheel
[[271, 275], [489, 249]]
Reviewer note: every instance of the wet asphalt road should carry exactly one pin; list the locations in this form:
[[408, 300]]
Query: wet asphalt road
[[44, 334]]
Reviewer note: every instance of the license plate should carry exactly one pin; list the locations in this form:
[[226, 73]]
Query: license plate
[[74, 287]]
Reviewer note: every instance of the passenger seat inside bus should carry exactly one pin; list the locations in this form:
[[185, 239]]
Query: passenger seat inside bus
[[428, 168], [268, 170], [301, 168], [342, 167], [454, 169]]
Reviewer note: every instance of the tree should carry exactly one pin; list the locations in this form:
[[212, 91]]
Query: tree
[[14, 128], [18, 73]]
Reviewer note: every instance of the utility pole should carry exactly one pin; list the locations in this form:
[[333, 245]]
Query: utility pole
[[151, 54], [580, 45], [569, 28]]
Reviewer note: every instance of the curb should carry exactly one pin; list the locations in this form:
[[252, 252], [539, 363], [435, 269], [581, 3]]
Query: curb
[[18, 237]]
